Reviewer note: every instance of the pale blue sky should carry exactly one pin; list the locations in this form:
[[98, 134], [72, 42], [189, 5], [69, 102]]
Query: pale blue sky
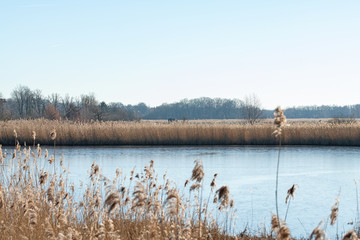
[[289, 53]]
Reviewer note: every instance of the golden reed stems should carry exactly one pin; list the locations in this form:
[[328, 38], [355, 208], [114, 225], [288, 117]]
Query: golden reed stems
[[189, 133]]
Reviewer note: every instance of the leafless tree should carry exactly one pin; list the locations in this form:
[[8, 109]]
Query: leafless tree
[[38, 103], [2, 106], [54, 99], [70, 108], [252, 108], [23, 98], [89, 106]]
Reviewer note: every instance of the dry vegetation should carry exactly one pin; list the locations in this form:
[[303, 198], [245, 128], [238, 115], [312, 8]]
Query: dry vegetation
[[38, 201], [181, 133]]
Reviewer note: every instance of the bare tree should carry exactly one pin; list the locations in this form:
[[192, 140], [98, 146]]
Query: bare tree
[[252, 108], [89, 106], [2, 106], [70, 108], [54, 99], [38, 102], [23, 98]]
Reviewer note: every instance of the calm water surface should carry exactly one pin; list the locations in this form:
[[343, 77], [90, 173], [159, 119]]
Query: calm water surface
[[249, 171]]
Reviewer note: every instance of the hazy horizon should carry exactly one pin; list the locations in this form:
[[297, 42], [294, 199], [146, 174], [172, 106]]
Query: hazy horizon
[[287, 53]]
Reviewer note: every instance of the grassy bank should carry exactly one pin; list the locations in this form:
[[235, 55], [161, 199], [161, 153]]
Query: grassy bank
[[179, 133]]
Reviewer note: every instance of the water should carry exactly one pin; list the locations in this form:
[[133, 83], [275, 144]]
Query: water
[[321, 173]]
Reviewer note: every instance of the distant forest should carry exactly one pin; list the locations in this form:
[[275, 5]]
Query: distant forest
[[29, 104]]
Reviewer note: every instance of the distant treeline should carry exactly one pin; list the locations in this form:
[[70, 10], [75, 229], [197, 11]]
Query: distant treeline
[[200, 108], [351, 111], [25, 103]]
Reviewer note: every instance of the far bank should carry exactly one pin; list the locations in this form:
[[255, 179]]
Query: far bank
[[197, 132]]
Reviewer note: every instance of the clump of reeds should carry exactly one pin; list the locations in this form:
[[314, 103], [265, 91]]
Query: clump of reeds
[[36, 203]]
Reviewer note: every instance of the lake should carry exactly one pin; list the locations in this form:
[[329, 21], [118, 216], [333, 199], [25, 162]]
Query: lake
[[321, 173]]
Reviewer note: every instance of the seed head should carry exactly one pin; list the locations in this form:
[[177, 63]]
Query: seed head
[[186, 182], [279, 121], [43, 177], [284, 232], [290, 192], [274, 223], [334, 212], [318, 233], [53, 134], [223, 196], [198, 172], [112, 200], [350, 235]]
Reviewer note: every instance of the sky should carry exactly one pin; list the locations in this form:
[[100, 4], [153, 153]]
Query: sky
[[288, 53]]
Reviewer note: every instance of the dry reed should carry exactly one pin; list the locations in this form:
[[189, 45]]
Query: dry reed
[[38, 204], [189, 133], [279, 122]]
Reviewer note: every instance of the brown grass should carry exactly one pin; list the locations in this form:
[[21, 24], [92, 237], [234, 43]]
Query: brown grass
[[179, 133]]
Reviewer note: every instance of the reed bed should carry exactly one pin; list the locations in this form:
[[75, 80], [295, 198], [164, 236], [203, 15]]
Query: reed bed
[[179, 133], [38, 201]]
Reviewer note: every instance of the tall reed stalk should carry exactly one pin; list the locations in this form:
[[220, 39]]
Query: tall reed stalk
[[279, 122], [53, 138]]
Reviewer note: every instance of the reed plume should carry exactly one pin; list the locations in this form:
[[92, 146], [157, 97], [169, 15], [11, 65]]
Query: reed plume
[[112, 199], [223, 196], [198, 171], [43, 177], [34, 138], [334, 211], [275, 226], [284, 232], [350, 235], [318, 233], [290, 194]]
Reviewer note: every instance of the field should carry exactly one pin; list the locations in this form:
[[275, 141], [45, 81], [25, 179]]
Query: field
[[199, 132]]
